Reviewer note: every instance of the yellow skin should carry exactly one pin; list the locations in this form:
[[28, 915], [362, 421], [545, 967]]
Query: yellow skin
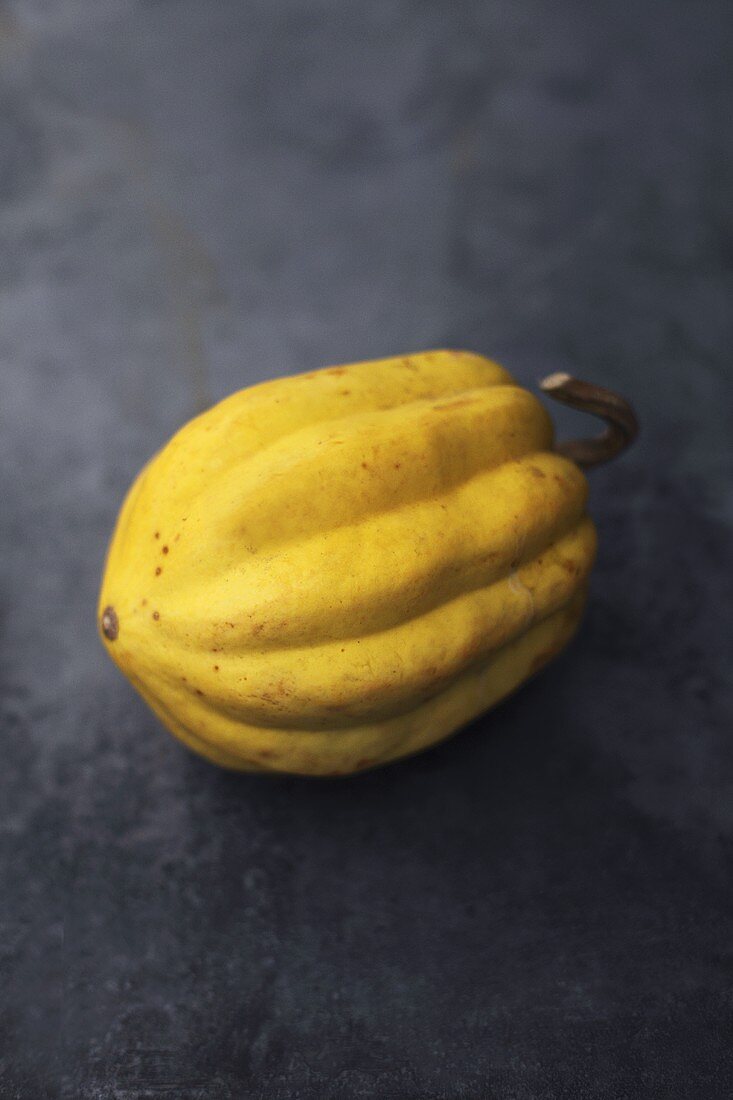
[[327, 572]]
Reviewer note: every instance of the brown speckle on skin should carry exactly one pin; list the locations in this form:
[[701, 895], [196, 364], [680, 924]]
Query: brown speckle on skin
[[158, 570], [199, 691], [457, 404], [110, 624], [537, 472], [541, 659], [471, 652], [216, 668], [144, 603], [336, 371], [164, 550], [156, 615], [267, 754], [157, 535]]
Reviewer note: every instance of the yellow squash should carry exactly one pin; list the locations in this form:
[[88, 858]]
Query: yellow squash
[[327, 572]]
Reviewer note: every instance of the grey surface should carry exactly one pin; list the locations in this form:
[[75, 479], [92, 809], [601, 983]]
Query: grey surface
[[198, 195]]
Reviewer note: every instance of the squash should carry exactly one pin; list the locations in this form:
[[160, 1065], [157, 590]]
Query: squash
[[330, 571]]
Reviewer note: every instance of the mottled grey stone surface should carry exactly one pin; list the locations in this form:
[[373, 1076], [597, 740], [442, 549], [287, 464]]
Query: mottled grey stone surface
[[198, 194]]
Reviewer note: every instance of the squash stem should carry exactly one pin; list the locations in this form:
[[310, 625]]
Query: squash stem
[[623, 425]]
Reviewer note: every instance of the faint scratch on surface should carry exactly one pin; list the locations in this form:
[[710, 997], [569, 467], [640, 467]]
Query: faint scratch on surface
[[191, 280], [190, 277], [464, 150], [8, 26], [16, 42], [191, 283]]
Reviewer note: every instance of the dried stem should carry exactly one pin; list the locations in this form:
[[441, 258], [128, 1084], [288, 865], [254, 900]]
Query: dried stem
[[619, 415]]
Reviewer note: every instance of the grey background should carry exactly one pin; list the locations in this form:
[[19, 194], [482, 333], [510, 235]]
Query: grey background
[[198, 195]]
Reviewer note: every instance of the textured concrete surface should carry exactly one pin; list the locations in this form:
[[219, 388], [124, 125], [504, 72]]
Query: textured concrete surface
[[195, 196]]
